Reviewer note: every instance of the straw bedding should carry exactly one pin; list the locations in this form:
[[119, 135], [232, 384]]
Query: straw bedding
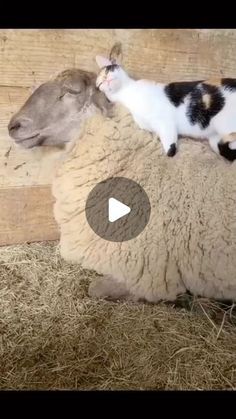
[[53, 336]]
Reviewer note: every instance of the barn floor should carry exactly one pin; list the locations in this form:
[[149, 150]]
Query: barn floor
[[52, 336]]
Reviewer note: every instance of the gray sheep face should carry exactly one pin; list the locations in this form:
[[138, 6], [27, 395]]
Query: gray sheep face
[[53, 114]]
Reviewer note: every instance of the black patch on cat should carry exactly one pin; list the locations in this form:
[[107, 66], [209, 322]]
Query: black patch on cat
[[172, 150], [111, 67], [229, 84], [177, 91], [226, 152], [197, 111]]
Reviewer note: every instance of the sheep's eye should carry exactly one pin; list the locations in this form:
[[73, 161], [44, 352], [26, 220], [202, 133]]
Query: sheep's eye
[[70, 92], [73, 92]]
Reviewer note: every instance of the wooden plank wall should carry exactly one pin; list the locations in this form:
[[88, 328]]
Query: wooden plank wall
[[30, 57]]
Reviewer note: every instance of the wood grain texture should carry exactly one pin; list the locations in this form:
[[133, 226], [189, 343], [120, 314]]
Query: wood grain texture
[[29, 57], [27, 215]]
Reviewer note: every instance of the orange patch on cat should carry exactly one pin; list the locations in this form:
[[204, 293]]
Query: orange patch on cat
[[206, 98]]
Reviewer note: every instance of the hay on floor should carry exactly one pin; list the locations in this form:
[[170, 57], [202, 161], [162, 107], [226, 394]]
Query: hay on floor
[[53, 336]]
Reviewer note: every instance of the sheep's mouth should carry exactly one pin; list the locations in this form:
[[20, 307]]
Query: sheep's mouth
[[20, 140], [31, 142]]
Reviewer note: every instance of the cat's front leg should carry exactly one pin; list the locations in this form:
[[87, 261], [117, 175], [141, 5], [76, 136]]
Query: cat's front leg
[[213, 142], [139, 122], [168, 136]]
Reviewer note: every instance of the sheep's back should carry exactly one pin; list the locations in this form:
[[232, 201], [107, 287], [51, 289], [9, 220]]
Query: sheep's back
[[190, 240]]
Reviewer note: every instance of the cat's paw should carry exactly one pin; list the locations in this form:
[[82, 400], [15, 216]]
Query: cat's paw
[[226, 152], [172, 150]]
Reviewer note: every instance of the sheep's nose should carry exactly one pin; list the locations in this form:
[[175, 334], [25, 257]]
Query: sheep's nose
[[14, 126], [17, 126]]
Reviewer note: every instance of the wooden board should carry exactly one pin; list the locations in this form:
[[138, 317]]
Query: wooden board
[[31, 56], [26, 215]]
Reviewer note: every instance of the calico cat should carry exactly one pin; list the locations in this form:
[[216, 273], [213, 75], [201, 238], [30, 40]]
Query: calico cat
[[204, 109]]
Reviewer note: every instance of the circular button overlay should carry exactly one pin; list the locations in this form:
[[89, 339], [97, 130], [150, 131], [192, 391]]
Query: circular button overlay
[[117, 209]]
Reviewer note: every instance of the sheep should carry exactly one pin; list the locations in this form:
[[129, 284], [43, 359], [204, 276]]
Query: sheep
[[189, 243], [53, 113]]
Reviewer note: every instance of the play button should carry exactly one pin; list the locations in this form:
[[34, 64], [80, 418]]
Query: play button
[[117, 209]]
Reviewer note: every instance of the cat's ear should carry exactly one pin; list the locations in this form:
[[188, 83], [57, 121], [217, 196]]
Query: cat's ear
[[102, 61], [116, 53]]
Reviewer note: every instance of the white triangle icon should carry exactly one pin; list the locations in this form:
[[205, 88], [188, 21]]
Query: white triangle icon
[[116, 209]]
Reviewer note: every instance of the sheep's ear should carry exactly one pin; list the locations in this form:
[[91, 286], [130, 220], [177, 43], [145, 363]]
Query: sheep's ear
[[116, 53], [102, 61], [33, 88]]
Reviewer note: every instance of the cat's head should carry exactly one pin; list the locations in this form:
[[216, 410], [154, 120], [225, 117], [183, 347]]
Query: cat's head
[[112, 76]]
